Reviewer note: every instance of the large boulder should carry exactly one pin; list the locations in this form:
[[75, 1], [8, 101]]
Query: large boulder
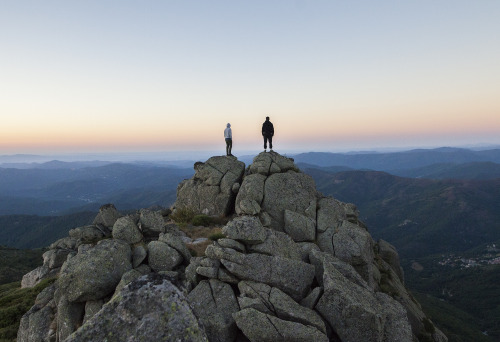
[[293, 191], [107, 216], [40, 273], [214, 302], [149, 309], [250, 195], [151, 223], [210, 190], [356, 313], [162, 257], [125, 229], [261, 327], [95, 273], [351, 244], [272, 300], [390, 255], [293, 277], [269, 163]]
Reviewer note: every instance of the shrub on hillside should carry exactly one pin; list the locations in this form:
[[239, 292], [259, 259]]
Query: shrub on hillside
[[183, 215], [202, 220]]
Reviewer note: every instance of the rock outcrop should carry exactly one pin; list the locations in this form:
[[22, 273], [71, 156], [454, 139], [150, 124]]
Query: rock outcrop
[[210, 191], [293, 266]]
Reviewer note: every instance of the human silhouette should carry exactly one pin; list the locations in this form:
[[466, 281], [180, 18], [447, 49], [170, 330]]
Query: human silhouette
[[267, 133], [228, 135]]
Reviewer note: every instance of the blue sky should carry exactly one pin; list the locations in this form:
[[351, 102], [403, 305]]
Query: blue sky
[[168, 75]]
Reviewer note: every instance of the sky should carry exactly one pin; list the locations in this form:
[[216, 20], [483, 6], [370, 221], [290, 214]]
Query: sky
[[133, 76]]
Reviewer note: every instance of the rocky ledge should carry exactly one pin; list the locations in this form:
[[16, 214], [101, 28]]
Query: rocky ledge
[[293, 265]]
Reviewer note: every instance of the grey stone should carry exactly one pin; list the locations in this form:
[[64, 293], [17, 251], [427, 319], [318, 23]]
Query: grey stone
[[319, 259], [248, 207], [265, 219], [300, 227], [354, 245], [91, 308], [292, 276], [69, 317], [277, 244], [390, 255], [397, 328], [126, 279], [292, 191], [64, 243], [270, 163], [176, 243], [230, 243], [355, 312], [151, 223], [95, 274], [330, 214], [261, 327], [209, 272], [251, 190], [40, 273], [35, 325], [54, 258], [150, 308], [87, 234], [162, 257], [246, 229], [235, 188], [139, 254], [107, 216], [125, 229], [273, 301], [210, 191], [225, 276], [192, 277], [214, 302], [287, 309], [305, 248], [312, 298]]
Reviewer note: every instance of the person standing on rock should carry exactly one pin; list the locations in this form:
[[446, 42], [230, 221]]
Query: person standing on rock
[[228, 135], [267, 133]]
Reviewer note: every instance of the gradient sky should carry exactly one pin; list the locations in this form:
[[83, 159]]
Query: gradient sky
[[92, 76]]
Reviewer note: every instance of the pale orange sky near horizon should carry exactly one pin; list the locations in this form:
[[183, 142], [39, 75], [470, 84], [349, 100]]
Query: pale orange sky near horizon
[[169, 75]]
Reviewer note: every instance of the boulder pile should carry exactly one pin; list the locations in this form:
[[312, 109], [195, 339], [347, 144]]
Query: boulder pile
[[293, 265]]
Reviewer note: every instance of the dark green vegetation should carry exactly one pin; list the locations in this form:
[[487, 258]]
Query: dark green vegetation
[[464, 302], [419, 216], [49, 191], [427, 220], [476, 170], [14, 263], [30, 231], [14, 302], [202, 220]]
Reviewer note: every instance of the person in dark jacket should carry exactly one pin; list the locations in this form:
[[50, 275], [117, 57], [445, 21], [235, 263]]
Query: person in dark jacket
[[267, 133]]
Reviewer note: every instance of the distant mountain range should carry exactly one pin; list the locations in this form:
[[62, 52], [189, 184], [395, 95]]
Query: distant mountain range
[[398, 160], [56, 191]]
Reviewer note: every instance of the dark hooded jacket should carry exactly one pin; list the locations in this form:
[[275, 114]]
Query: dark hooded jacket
[[267, 128]]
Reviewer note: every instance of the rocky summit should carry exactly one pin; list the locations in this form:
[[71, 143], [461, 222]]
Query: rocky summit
[[292, 265]]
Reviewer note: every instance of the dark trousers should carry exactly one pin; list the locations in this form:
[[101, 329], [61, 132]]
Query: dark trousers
[[229, 146], [266, 138]]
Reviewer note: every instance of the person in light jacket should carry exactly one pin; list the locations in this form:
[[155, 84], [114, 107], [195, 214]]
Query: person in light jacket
[[228, 135]]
